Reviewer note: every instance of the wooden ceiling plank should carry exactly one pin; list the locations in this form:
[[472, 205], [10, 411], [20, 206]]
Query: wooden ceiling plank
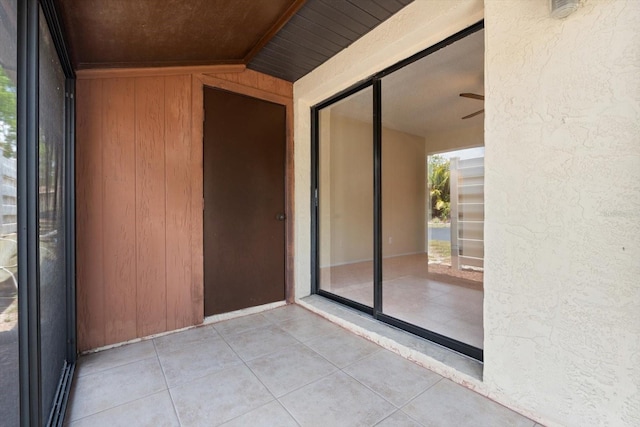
[[284, 65], [321, 31], [326, 22], [302, 32], [372, 9], [286, 16], [311, 42], [335, 15], [287, 44], [276, 51], [276, 59], [354, 12], [391, 6]]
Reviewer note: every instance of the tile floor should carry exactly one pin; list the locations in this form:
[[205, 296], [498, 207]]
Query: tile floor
[[447, 305], [283, 367]]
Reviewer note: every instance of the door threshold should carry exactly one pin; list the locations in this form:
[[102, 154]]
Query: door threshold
[[439, 359], [242, 312]]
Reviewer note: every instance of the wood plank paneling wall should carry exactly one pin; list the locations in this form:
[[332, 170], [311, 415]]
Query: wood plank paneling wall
[[139, 198]]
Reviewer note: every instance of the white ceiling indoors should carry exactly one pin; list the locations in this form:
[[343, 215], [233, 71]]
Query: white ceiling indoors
[[424, 97]]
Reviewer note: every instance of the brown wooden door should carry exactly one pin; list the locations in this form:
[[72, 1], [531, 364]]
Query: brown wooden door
[[244, 182]]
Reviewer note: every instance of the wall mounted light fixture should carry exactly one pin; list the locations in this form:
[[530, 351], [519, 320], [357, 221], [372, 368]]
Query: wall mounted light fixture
[[563, 8]]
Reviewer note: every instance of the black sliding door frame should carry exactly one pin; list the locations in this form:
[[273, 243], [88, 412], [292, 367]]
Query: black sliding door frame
[[28, 247], [315, 224], [375, 311], [28, 134]]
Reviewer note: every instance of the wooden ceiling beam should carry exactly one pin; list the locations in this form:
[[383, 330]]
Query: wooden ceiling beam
[[98, 73], [286, 16]]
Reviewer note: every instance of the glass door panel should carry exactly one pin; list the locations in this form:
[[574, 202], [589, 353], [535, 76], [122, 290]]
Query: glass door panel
[[345, 198], [432, 191], [51, 215], [9, 376]]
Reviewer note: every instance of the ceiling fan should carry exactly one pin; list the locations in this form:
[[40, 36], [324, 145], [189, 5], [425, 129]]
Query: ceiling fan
[[473, 96]]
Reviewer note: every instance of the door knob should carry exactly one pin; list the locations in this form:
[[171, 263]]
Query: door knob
[[281, 217]]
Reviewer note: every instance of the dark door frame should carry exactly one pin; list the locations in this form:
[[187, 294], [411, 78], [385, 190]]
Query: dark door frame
[[199, 82], [376, 310]]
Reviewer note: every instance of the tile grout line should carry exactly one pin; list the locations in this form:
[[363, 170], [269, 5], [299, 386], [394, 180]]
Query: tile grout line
[[128, 362], [395, 412], [252, 373], [276, 399], [102, 372], [164, 376], [298, 341], [113, 407]]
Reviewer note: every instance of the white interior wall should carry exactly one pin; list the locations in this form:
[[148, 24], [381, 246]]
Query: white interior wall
[[562, 160], [346, 232], [404, 193], [455, 139], [346, 191]]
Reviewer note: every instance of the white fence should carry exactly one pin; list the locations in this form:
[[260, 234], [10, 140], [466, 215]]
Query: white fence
[[9, 196], [467, 212]]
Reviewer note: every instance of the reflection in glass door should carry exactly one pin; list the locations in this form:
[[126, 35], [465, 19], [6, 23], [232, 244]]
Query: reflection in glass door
[[345, 198]]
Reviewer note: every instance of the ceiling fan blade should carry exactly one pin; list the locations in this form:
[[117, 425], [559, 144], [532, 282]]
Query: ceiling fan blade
[[473, 114], [472, 96]]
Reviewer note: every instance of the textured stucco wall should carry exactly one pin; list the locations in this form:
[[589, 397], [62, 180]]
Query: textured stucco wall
[[562, 223], [562, 191]]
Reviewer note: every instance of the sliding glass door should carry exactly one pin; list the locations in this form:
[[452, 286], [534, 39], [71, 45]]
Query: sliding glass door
[[345, 194], [399, 194], [37, 326]]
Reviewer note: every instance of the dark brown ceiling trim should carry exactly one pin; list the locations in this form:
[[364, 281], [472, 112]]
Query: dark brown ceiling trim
[[288, 14]]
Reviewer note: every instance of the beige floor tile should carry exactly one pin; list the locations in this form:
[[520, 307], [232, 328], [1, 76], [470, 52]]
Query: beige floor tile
[[289, 369], [337, 400], [154, 410], [106, 389], [449, 404], [343, 348], [393, 377], [197, 360], [241, 324], [260, 342], [308, 328], [178, 340], [285, 313], [220, 397], [398, 419], [270, 415], [107, 359]]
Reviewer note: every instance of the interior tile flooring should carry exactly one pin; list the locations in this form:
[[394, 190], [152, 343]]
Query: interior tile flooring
[[450, 306], [283, 367]]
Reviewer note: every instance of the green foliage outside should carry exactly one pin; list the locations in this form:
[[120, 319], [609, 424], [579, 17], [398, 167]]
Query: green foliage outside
[[7, 115], [439, 194]]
